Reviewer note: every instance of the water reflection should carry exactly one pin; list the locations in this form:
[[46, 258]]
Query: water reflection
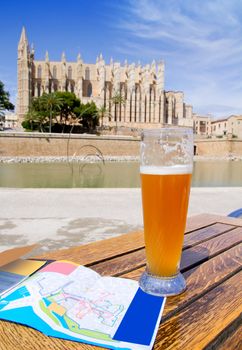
[[112, 174], [217, 174], [90, 175]]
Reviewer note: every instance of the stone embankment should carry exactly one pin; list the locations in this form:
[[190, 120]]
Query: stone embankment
[[78, 159], [29, 147], [94, 159]]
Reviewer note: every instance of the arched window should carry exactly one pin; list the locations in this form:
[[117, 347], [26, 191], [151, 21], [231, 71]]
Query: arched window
[[89, 90], [39, 72], [69, 72], [87, 74], [54, 72], [55, 87]]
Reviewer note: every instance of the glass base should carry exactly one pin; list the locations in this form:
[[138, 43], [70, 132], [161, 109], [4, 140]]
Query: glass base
[[162, 286]]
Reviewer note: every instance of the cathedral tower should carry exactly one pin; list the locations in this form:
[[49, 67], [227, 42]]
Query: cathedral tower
[[24, 75], [145, 102]]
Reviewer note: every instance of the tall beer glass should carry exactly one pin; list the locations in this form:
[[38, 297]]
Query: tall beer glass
[[166, 170]]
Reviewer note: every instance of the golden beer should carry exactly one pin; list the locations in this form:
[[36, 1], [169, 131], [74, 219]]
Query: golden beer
[[166, 162], [165, 195]]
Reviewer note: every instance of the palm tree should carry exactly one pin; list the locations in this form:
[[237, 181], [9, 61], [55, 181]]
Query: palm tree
[[103, 112], [30, 117], [33, 116], [117, 100], [52, 102]]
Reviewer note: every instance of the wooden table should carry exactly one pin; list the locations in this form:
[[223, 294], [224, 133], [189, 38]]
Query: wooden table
[[206, 316]]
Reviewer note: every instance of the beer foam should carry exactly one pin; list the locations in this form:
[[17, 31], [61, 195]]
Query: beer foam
[[166, 170]]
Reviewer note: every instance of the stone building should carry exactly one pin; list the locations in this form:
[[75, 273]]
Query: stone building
[[147, 104], [201, 125], [11, 120], [231, 127]]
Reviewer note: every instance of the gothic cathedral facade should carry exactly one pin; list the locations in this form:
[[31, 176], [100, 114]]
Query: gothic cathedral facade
[[146, 103]]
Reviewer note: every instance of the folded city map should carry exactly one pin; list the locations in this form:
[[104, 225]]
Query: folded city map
[[69, 301]]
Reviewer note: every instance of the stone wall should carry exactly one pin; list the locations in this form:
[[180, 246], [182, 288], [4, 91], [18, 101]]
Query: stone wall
[[236, 147], [218, 148], [37, 145], [58, 145]]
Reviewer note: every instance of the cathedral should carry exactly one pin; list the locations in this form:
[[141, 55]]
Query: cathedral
[[146, 103]]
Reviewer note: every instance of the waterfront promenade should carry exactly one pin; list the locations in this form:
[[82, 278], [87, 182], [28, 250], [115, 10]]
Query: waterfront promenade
[[58, 218]]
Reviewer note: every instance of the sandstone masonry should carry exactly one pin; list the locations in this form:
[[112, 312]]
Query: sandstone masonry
[[147, 104]]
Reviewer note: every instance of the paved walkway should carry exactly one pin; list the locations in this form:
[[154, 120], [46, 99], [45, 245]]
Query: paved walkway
[[58, 218]]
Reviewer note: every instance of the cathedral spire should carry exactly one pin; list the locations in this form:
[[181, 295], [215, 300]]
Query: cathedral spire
[[24, 78], [63, 57], [46, 56], [79, 58], [23, 46], [23, 37], [153, 67]]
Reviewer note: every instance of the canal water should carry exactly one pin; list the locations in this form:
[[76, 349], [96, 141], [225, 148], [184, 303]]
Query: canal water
[[109, 175]]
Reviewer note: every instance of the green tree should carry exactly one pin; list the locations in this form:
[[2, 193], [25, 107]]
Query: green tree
[[4, 99], [69, 103], [52, 103], [87, 115], [65, 107], [5, 104], [103, 112], [35, 120], [117, 100]]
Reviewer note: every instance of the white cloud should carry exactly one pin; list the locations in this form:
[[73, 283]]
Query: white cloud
[[201, 42]]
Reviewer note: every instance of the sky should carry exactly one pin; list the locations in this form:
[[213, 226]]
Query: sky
[[199, 41]]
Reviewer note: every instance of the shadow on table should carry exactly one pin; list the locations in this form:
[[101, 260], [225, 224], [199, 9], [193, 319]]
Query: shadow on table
[[193, 257]]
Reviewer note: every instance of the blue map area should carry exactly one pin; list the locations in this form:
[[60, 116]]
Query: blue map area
[[26, 316], [19, 293]]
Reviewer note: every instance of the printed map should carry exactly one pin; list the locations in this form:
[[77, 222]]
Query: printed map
[[72, 302]]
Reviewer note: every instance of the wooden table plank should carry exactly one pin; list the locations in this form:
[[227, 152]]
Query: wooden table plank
[[205, 233], [234, 342], [201, 279], [201, 322], [205, 277], [206, 250], [17, 337], [119, 265], [137, 259], [190, 257]]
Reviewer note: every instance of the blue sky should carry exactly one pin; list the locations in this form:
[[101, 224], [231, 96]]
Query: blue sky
[[200, 41]]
